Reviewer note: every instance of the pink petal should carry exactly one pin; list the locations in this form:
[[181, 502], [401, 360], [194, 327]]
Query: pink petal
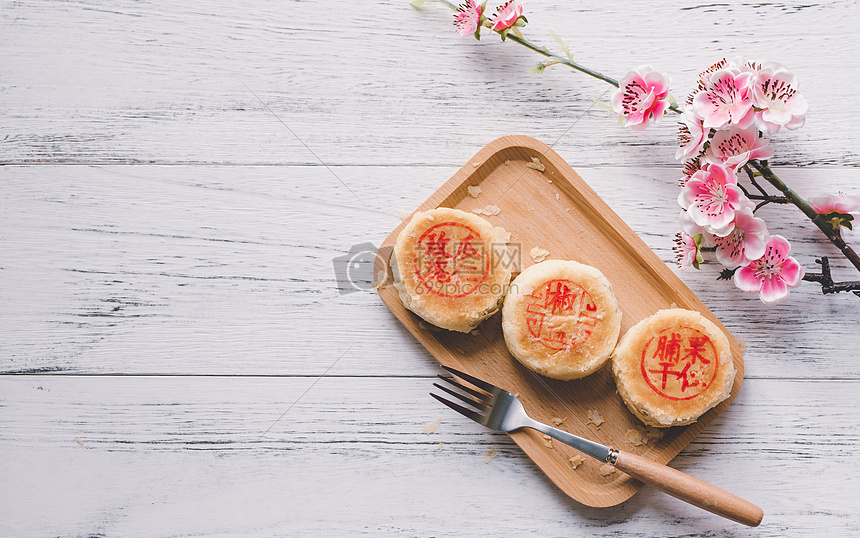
[[746, 280], [792, 272], [773, 290], [777, 249], [795, 123]]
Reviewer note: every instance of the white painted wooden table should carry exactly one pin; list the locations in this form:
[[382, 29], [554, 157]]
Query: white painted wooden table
[[177, 177]]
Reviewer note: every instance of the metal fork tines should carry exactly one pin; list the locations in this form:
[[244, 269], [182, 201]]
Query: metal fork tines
[[500, 410]]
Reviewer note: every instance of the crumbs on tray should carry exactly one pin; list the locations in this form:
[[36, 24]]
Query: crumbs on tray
[[536, 165], [489, 211], [594, 417], [538, 254]]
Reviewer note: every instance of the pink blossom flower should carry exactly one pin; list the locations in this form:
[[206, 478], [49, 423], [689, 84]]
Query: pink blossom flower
[[507, 15], [642, 97], [745, 243], [688, 250], [775, 92], [840, 208], [712, 197], [724, 98], [835, 203], [736, 146], [468, 17], [690, 168], [772, 274], [691, 135]]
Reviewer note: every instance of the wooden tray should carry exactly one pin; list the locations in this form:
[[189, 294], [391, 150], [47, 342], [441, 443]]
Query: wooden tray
[[557, 211]]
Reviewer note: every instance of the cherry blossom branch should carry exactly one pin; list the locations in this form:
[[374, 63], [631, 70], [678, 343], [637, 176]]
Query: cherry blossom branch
[[724, 125], [764, 196], [817, 218], [558, 59], [826, 280]]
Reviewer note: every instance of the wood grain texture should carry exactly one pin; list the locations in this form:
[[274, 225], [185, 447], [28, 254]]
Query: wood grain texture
[[227, 270], [345, 456], [176, 180], [170, 82]]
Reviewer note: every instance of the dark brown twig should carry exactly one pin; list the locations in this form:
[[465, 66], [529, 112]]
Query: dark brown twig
[[764, 196], [826, 280]]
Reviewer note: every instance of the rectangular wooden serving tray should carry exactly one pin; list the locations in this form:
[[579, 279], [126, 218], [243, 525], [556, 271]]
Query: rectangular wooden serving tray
[[557, 211]]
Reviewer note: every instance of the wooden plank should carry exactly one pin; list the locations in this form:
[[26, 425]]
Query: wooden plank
[[176, 455], [241, 83], [228, 270]]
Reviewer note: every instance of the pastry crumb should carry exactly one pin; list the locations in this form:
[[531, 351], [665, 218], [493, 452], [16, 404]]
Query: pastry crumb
[[507, 162], [642, 435], [742, 344], [502, 233], [439, 446], [547, 440], [402, 214], [474, 190], [381, 279], [489, 455], [606, 469], [538, 254], [557, 196], [557, 421], [80, 441], [475, 332], [431, 427], [490, 210], [575, 461], [635, 437], [594, 418], [536, 165], [476, 164]]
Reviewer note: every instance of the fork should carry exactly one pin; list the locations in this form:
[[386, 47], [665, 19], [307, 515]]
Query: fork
[[500, 410]]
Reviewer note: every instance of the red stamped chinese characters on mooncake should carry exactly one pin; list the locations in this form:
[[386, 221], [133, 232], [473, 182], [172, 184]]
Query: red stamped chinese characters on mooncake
[[452, 260], [575, 308], [679, 364]]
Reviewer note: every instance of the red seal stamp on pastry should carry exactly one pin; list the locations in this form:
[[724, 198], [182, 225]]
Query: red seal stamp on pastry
[[679, 363], [563, 300], [452, 260]]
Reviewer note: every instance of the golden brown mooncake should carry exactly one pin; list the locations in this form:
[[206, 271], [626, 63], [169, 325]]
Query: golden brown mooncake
[[451, 268], [673, 367], [561, 319]]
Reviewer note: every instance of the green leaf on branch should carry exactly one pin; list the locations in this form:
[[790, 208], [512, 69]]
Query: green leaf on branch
[[698, 239], [565, 45], [601, 104], [837, 219]]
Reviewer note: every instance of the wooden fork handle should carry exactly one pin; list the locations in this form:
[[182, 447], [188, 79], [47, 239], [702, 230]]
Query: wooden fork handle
[[690, 489]]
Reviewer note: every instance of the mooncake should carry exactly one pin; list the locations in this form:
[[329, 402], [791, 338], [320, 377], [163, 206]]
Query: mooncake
[[561, 319], [451, 268], [673, 367]]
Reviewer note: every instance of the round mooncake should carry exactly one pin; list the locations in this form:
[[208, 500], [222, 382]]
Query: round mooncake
[[561, 319], [451, 268], [673, 367]]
